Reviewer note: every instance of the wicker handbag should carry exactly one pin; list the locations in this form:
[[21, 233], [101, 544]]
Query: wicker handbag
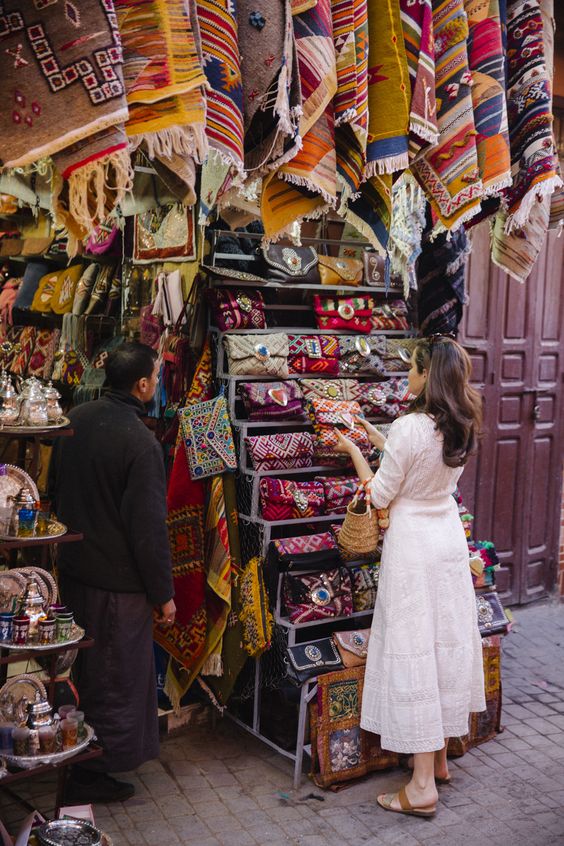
[[360, 532]]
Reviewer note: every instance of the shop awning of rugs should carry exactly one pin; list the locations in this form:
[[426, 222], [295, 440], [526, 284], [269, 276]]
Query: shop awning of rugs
[[279, 201]]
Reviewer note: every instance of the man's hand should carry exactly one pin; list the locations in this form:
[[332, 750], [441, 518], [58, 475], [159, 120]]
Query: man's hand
[[165, 614]]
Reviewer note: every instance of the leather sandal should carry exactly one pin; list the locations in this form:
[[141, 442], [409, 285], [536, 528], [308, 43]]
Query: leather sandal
[[386, 800]]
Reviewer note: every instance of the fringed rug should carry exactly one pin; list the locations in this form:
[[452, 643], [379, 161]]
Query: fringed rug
[[417, 24], [449, 172], [222, 66], [487, 65], [533, 158], [388, 90], [371, 211]]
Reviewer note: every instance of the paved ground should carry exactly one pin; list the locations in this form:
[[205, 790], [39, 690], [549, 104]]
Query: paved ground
[[223, 788]]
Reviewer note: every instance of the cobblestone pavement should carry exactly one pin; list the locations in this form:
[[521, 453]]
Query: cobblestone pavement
[[224, 788]]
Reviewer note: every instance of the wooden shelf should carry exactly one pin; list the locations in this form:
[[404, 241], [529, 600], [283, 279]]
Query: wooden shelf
[[21, 543]]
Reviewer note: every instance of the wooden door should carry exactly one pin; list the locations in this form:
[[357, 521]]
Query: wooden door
[[514, 336]]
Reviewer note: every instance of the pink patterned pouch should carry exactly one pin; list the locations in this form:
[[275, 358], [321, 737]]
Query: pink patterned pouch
[[300, 553], [281, 451], [387, 399], [284, 499], [237, 309], [339, 491], [272, 400]]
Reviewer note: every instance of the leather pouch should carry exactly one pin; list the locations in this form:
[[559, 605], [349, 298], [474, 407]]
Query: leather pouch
[[306, 660], [293, 265], [340, 271], [352, 646]]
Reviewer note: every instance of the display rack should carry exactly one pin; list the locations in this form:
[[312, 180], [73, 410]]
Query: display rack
[[7, 657], [256, 532]]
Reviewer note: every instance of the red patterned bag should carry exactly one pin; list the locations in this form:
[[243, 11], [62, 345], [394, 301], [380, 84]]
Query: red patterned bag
[[237, 309], [305, 551], [326, 416], [272, 400], [282, 451], [313, 354], [283, 499], [385, 399], [339, 491], [317, 596], [391, 315], [42, 359], [350, 314]]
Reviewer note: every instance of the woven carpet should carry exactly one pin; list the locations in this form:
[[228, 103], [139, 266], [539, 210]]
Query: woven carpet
[[417, 25]]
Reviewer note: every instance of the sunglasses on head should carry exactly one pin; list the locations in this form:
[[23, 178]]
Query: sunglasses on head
[[405, 354]]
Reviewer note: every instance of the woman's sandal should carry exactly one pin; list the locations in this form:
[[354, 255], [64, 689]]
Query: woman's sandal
[[385, 802]]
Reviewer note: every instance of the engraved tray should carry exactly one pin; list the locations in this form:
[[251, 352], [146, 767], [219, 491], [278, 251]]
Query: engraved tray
[[33, 430], [55, 529], [26, 762], [76, 636]]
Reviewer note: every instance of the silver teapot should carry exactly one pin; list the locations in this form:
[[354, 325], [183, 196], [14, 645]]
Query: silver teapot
[[40, 714]]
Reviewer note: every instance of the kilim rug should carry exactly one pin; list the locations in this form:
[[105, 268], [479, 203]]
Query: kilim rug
[[220, 48], [449, 172], [371, 211], [185, 640], [487, 65], [388, 90], [417, 25], [533, 158], [63, 83]]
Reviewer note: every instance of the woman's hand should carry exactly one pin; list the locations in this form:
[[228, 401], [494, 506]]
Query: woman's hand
[[375, 437], [343, 445]]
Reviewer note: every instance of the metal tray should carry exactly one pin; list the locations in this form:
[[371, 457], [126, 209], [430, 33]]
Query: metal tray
[[55, 530], [27, 762], [76, 636], [34, 430], [68, 832]]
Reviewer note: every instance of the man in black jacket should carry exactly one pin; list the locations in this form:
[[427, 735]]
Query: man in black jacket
[[109, 483]]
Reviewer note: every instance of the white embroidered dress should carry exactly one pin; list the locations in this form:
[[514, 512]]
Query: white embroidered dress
[[424, 672]]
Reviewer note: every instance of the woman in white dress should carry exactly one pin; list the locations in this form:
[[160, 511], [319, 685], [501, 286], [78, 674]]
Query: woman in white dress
[[424, 670]]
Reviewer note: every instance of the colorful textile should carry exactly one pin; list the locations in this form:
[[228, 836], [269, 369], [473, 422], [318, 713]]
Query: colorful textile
[[449, 172], [388, 90], [224, 118], [313, 167], [370, 212], [533, 158], [185, 640], [266, 47], [486, 724], [162, 72], [441, 281], [408, 221], [340, 749], [63, 72], [417, 24], [486, 61]]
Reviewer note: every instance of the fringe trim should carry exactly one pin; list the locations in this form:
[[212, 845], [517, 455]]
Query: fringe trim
[[346, 117], [497, 187], [389, 164], [366, 231], [288, 155], [282, 105], [455, 265], [170, 690], [111, 175], [507, 270], [213, 665], [423, 132], [209, 692], [217, 156], [440, 227], [285, 231], [188, 140], [303, 182], [519, 218]]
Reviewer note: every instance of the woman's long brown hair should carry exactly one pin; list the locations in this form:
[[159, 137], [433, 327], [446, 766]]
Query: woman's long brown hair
[[448, 397]]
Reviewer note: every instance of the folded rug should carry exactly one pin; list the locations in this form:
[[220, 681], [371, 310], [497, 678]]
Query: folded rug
[[417, 24]]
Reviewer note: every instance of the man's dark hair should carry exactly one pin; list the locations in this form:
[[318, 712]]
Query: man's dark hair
[[129, 363]]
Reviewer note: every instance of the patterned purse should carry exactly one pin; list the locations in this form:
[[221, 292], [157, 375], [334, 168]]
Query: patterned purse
[[326, 415], [390, 398], [165, 233], [306, 660], [282, 451], [294, 265], [257, 355], [43, 357], [339, 491], [361, 355], [208, 439], [390, 316], [396, 351], [331, 389], [364, 586], [282, 499], [318, 596], [272, 400], [313, 354], [237, 309], [352, 646], [305, 551], [351, 314], [340, 271], [23, 350], [254, 611], [492, 618]]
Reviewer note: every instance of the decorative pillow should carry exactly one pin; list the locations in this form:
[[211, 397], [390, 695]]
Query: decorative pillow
[[65, 287], [33, 274]]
